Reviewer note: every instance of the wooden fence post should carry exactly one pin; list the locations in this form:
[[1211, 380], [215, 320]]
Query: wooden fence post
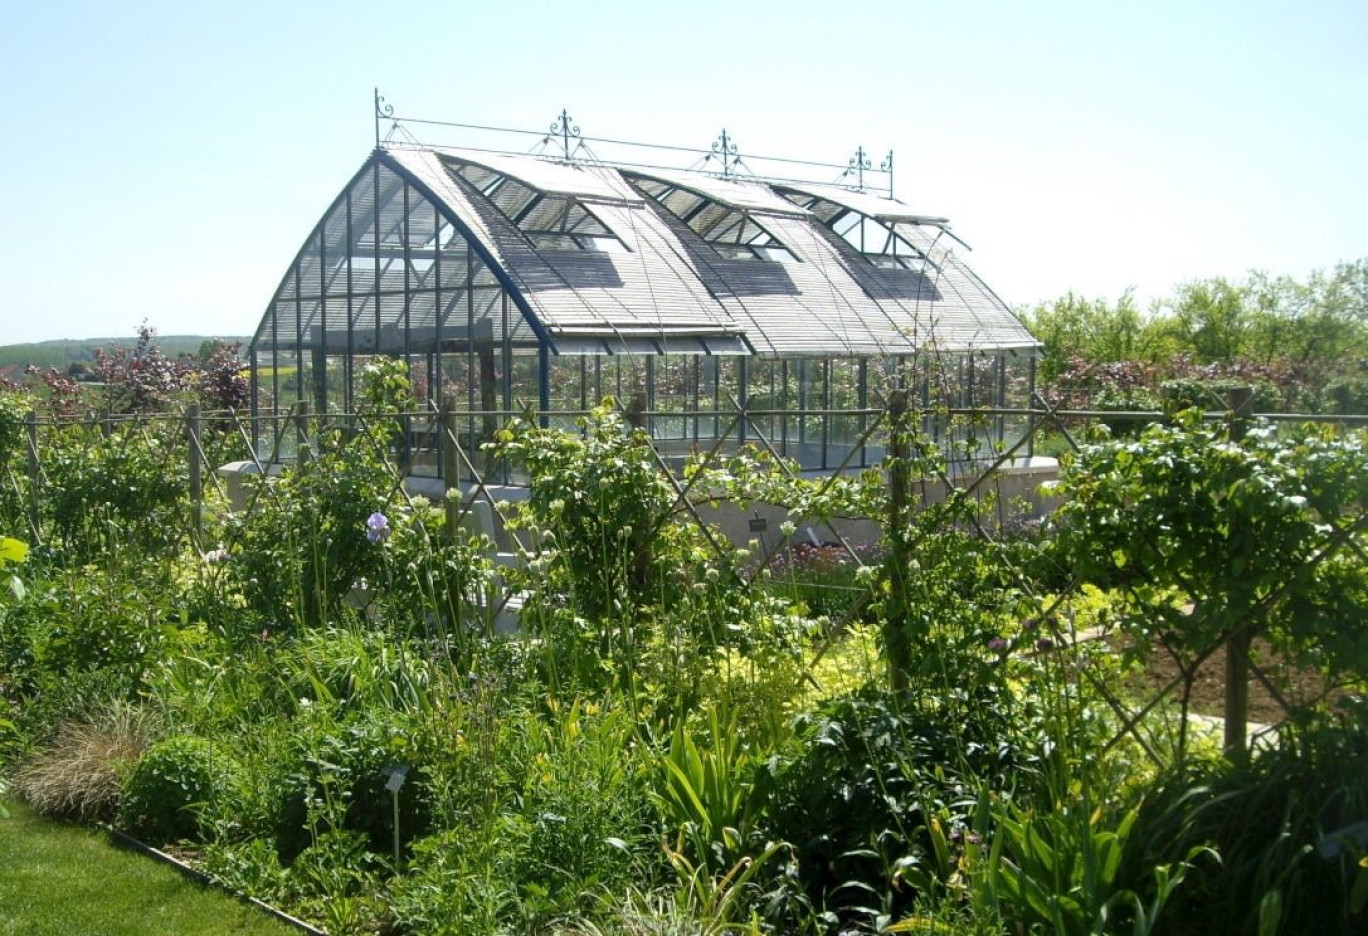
[[303, 451], [1238, 400], [897, 640], [34, 473], [192, 431]]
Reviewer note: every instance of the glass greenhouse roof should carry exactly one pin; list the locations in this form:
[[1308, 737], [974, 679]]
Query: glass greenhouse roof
[[875, 226], [443, 250], [722, 213]]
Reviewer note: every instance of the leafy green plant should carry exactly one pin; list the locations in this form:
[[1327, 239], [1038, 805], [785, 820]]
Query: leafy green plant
[[171, 788], [1254, 536], [707, 791], [1268, 819], [120, 493], [601, 499], [12, 551], [315, 534], [336, 779], [880, 796], [1062, 871]]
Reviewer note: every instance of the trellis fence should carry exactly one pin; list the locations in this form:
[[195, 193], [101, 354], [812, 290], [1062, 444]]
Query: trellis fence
[[192, 443]]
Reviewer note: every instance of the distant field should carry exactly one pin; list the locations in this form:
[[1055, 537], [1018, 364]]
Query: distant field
[[61, 354]]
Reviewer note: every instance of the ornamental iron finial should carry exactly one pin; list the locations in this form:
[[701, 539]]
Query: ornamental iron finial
[[383, 111], [724, 147], [566, 129], [858, 164]]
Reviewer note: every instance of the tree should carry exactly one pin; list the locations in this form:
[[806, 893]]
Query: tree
[[1254, 536], [1207, 319], [1091, 329]]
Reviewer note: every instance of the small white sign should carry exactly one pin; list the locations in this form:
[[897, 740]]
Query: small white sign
[[396, 778]]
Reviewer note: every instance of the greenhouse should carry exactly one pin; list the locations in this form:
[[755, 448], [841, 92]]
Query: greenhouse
[[521, 283]]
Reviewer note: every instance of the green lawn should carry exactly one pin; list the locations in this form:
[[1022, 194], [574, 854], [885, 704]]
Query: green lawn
[[63, 880]]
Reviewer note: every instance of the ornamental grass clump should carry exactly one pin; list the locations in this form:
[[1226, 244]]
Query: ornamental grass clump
[[80, 775]]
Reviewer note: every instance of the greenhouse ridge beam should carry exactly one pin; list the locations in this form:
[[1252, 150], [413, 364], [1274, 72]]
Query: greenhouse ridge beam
[[724, 149]]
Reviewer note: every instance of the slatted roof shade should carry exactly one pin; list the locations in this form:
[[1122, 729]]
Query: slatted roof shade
[[661, 288], [875, 206]]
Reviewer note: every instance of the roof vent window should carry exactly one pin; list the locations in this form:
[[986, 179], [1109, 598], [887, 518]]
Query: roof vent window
[[549, 221], [733, 232]]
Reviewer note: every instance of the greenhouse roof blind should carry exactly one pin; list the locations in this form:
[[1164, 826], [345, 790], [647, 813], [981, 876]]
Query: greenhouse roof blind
[[883, 209], [745, 196]]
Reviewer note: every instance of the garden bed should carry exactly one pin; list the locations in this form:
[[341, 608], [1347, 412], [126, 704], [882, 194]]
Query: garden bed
[[1298, 685]]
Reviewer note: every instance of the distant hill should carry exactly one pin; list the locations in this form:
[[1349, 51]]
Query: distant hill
[[63, 353]]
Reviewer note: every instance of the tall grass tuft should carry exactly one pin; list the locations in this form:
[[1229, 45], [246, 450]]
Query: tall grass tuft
[[81, 773]]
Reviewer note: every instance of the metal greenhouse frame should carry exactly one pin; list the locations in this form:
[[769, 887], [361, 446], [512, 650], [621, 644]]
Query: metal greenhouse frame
[[544, 282]]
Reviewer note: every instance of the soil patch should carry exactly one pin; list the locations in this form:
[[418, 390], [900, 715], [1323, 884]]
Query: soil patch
[[1297, 686]]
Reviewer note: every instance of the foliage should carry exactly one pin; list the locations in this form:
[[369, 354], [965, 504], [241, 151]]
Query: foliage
[[1061, 870], [12, 551], [1302, 344], [620, 580], [305, 545], [102, 492], [222, 381], [1073, 328], [174, 781], [1287, 826], [707, 791], [140, 379], [601, 498], [882, 791], [1253, 533], [560, 816], [342, 764], [79, 621]]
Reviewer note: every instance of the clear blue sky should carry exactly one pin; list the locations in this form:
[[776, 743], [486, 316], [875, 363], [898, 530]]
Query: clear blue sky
[[164, 160]]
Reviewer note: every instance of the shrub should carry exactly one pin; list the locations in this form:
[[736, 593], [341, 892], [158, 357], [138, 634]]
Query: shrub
[[172, 787], [338, 783], [111, 494], [875, 773]]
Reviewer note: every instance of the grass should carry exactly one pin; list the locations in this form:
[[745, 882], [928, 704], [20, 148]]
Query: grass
[[64, 880]]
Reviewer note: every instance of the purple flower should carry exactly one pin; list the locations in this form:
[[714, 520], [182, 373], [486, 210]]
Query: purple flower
[[1030, 625], [1044, 643], [998, 645], [377, 527]]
